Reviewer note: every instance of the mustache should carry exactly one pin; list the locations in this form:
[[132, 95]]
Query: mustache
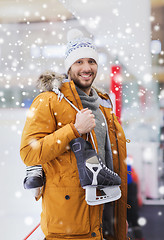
[[87, 72]]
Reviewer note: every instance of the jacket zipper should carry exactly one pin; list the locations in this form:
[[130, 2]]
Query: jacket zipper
[[114, 129], [117, 152], [119, 165], [116, 142]]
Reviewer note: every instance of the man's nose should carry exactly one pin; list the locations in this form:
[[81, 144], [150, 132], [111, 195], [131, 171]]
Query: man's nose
[[86, 67]]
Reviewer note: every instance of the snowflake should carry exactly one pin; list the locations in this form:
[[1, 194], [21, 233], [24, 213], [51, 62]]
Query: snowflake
[[18, 194], [2, 163], [156, 28], [26, 13], [3, 99], [63, 18], [31, 66], [44, 5], [128, 30], [34, 143], [147, 155], [28, 221], [159, 213], [119, 35], [142, 221], [155, 46], [147, 77], [161, 61], [58, 141], [38, 41], [127, 75], [17, 103], [115, 12], [37, 14], [152, 18], [137, 24], [1, 94], [30, 113], [13, 127], [161, 190]]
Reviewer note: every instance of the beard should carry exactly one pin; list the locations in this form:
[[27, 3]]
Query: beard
[[82, 83]]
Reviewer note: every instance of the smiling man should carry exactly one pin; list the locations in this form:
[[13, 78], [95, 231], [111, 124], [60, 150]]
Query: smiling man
[[83, 73], [46, 138]]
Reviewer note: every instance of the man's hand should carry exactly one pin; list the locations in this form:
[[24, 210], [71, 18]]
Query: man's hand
[[85, 121]]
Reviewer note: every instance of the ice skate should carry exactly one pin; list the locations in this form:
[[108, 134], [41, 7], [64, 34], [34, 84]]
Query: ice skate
[[34, 177], [100, 183]]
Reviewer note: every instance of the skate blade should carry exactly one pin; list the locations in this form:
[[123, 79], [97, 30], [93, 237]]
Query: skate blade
[[110, 194], [36, 191]]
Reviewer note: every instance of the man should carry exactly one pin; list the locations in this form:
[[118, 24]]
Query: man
[[51, 125]]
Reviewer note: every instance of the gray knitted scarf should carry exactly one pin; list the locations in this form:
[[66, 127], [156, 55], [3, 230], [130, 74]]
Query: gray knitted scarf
[[91, 102]]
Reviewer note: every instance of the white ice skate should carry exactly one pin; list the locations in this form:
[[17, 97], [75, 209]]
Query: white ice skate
[[100, 183], [34, 180]]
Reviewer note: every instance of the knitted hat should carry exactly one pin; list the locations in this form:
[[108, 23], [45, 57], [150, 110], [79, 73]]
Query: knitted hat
[[78, 47]]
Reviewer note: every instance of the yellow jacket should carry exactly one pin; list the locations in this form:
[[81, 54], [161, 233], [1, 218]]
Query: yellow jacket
[[45, 140]]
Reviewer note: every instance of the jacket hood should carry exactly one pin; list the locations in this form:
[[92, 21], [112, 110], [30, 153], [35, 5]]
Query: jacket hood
[[50, 80]]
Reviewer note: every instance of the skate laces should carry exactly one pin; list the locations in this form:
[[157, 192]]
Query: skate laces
[[34, 171], [103, 165]]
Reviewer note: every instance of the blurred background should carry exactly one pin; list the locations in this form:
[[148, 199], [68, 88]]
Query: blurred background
[[129, 36]]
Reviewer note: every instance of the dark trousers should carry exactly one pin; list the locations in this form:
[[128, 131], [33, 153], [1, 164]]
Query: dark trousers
[[132, 213]]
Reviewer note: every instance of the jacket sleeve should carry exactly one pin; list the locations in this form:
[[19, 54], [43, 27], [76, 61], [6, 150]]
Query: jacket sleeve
[[41, 140]]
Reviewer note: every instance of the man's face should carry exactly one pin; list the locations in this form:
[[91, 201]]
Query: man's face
[[83, 73]]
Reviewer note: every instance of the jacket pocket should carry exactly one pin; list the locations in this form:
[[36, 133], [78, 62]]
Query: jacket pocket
[[66, 211]]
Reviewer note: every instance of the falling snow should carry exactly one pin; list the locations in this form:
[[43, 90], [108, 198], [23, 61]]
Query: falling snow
[[28, 220], [28, 49], [142, 221]]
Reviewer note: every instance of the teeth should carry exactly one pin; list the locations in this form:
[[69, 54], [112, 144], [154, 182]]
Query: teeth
[[86, 75]]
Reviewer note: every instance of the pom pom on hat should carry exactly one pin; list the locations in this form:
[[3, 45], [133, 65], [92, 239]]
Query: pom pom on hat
[[74, 34], [78, 47]]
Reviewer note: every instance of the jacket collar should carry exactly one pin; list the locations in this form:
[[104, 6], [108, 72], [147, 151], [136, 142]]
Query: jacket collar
[[69, 90], [58, 81]]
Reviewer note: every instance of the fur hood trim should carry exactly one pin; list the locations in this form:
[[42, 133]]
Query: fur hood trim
[[50, 80]]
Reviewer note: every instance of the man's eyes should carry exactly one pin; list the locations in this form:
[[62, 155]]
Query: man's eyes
[[78, 62], [92, 62]]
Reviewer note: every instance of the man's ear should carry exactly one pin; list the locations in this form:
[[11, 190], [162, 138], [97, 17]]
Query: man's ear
[[68, 70], [69, 74]]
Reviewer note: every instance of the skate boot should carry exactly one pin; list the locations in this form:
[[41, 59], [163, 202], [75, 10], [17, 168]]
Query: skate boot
[[34, 177], [95, 177]]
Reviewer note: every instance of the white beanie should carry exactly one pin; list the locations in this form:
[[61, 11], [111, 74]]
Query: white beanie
[[78, 47]]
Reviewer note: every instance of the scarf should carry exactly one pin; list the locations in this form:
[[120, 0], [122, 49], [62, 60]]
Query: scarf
[[91, 102]]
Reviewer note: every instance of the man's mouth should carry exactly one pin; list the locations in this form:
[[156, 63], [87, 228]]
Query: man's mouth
[[86, 75]]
